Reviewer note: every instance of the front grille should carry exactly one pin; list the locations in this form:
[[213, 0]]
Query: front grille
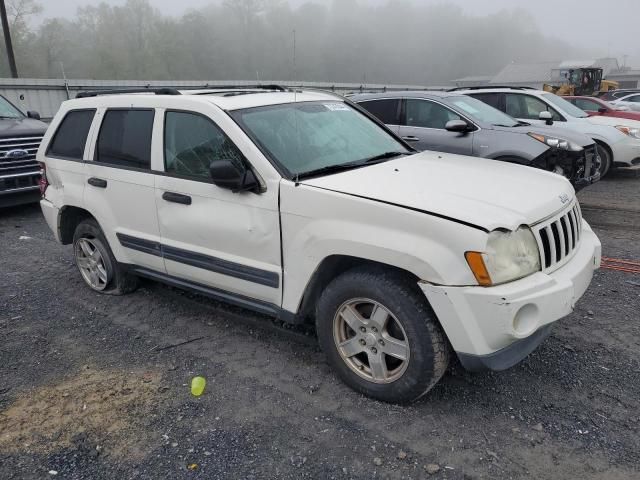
[[19, 163], [559, 237]]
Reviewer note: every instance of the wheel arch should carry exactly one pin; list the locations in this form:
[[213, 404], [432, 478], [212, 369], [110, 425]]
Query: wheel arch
[[330, 268], [68, 220]]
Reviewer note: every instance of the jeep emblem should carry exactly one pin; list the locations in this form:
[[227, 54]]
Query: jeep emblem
[[564, 198], [18, 153]]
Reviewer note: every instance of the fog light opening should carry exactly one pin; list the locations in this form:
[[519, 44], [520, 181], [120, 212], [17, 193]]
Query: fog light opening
[[526, 320]]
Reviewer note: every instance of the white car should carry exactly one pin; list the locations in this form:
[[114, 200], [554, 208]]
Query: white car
[[631, 102], [299, 204], [618, 139]]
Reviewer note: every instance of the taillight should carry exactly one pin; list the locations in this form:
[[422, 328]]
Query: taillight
[[43, 183]]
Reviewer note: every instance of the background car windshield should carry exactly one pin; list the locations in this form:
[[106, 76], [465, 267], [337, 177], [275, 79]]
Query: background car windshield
[[569, 108], [302, 137], [9, 111], [483, 112]]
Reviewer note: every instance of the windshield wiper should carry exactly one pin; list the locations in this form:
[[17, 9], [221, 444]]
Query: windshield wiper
[[351, 165], [5, 117], [506, 126]]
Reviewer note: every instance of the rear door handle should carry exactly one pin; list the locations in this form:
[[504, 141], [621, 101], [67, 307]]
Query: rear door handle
[[176, 198], [411, 139], [97, 182]]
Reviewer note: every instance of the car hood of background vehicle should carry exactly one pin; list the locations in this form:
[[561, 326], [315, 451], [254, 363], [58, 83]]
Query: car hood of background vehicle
[[21, 127], [485, 193], [575, 137], [614, 121]]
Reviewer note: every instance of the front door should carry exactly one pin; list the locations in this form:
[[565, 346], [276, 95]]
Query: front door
[[210, 235], [424, 126]]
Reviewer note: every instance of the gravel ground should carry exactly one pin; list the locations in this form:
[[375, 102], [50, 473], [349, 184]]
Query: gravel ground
[[94, 386]]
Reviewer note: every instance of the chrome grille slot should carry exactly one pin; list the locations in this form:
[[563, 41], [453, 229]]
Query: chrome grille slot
[[558, 237], [18, 163]]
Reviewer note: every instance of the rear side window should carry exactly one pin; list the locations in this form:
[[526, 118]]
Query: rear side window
[[71, 136], [387, 111], [125, 138]]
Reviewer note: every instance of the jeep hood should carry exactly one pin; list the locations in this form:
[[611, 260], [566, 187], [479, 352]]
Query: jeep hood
[[488, 194]]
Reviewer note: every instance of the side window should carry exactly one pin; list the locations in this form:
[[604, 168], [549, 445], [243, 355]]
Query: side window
[[192, 142], [634, 99], [587, 105], [492, 99], [71, 136], [527, 107], [125, 138], [386, 110], [426, 114]]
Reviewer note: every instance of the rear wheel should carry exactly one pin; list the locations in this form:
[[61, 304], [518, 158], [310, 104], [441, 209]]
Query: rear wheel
[[605, 159], [380, 335], [96, 263]]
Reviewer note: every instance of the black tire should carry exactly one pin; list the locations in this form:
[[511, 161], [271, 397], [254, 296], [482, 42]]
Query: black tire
[[605, 159], [429, 350], [119, 280]]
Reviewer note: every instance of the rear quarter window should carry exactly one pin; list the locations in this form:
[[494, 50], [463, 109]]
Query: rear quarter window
[[386, 110], [71, 136]]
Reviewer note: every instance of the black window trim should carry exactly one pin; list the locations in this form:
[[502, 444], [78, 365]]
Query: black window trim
[[209, 181], [48, 153], [123, 167]]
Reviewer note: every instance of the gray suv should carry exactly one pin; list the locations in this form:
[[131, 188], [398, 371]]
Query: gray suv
[[454, 123]]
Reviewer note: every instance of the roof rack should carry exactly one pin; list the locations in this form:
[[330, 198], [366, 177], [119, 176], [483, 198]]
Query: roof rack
[[483, 87], [117, 91], [279, 88]]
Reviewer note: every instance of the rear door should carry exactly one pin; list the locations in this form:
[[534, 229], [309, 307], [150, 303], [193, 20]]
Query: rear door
[[119, 188], [423, 124], [387, 110], [212, 236]]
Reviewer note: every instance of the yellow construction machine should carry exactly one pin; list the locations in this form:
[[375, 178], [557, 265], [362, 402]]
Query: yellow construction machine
[[581, 81]]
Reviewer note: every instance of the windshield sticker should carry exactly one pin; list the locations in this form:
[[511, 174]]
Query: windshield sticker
[[337, 107]]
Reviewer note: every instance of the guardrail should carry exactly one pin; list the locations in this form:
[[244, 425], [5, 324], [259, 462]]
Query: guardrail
[[46, 95]]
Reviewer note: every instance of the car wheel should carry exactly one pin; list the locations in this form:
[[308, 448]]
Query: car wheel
[[380, 335], [605, 160], [96, 263]]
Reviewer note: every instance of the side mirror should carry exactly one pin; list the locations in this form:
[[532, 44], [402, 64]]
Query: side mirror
[[33, 114], [459, 126], [602, 110], [547, 117], [228, 174]]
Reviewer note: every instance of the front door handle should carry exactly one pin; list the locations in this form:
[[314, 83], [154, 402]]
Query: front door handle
[[411, 138], [97, 182], [176, 198]]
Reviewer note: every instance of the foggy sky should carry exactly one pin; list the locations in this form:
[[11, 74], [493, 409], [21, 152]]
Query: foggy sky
[[583, 23]]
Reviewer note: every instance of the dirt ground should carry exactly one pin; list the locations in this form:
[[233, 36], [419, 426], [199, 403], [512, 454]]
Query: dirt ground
[[93, 386]]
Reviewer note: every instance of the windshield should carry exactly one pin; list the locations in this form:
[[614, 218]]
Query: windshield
[[483, 112], [7, 110], [569, 108], [308, 136]]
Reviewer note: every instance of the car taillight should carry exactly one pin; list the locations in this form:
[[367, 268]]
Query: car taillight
[[43, 183]]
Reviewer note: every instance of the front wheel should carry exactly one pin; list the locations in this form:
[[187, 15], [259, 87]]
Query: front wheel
[[380, 335], [605, 160]]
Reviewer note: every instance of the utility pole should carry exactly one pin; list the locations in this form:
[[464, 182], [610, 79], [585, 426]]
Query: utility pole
[[7, 40]]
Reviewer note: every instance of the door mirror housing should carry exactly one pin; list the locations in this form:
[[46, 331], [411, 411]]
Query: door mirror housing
[[459, 126], [547, 117], [33, 114], [602, 110], [227, 174]]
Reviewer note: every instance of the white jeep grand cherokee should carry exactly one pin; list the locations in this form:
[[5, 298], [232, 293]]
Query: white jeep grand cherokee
[[300, 205]]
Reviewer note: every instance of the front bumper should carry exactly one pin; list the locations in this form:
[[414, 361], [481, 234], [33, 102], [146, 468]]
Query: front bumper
[[496, 327], [625, 152]]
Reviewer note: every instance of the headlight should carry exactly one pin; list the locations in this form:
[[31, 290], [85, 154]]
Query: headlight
[[632, 132], [554, 142], [509, 256]]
